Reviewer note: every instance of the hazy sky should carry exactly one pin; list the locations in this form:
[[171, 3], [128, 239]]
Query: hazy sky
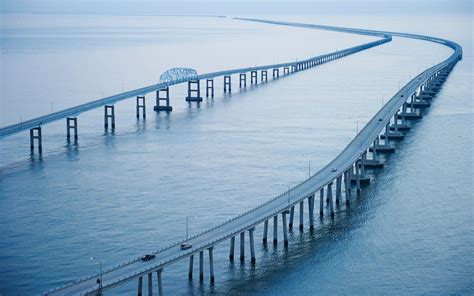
[[236, 6]]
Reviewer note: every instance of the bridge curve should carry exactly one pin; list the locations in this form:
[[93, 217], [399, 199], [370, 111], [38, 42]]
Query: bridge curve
[[343, 165]]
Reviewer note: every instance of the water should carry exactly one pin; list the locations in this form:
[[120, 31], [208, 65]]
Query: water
[[116, 196]]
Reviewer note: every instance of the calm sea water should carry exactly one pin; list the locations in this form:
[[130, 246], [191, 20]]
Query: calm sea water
[[116, 196]]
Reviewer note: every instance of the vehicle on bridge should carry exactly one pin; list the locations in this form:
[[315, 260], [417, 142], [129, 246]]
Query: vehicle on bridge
[[148, 257]]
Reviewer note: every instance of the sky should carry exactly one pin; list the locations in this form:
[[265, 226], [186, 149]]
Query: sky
[[236, 6]]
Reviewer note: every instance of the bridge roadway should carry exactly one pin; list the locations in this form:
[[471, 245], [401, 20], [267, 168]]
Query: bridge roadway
[[246, 221], [74, 111]]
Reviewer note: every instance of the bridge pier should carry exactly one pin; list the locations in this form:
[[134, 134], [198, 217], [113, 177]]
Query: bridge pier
[[232, 246], [286, 71], [347, 186], [311, 211], [242, 246], [165, 98], [191, 266], [331, 203], [194, 94], [338, 188], [141, 105], [294, 68], [321, 201], [275, 229], [140, 286], [265, 231], [160, 282], [285, 229], [252, 245], [211, 264], [301, 214], [209, 86], [201, 266], [108, 115], [264, 75], [71, 124], [227, 84], [292, 214], [242, 80], [150, 283], [373, 163], [253, 77], [276, 73]]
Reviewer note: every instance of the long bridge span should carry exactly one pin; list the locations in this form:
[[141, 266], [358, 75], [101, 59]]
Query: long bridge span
[[347, 171]]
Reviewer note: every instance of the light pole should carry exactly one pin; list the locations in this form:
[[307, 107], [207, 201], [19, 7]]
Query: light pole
[[309, 168], [187, 225], [289, 197], [99, 279]]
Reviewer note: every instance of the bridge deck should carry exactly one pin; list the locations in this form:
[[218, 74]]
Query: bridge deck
[[342, 162]]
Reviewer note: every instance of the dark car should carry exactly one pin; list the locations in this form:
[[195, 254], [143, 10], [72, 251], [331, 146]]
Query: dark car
[[148, 257], [185, 246]]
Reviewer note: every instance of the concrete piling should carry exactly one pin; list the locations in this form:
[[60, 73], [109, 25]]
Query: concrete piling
[[265, 231], [252, 245], [163, 95], [211, 264], [285, 229], [275, 229], [191, 265], [242, 246], [301, 214], [71, 124], [201, 266], [209, 88], [232, 246], [109, 112], [141, 105], [160, 282], [227, 84], [321, 202]]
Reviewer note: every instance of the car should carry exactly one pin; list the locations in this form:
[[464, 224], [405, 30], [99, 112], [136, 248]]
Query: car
[[185, 246], [148, 257], [333, 170], [380, 119]]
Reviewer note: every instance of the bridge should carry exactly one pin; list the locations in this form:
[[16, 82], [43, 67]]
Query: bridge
[[347, 170]]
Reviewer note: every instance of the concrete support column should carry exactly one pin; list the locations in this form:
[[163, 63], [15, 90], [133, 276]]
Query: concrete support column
[[285, 229], [194, 93], [265, 231], [150, 284], [275, 229], [264, 75], [232, 246], [412, 103], [357, 175], [209, 88], [338, 188], [140, 286], [387, 130], [347, 184], [242, 80], [227, 84], [276, 73], [321, 201], [286, 71], [211, 264], [395, 121], [331, 203], [292, 215], [201, 266], [191, 266], [252, 245], [109, 112], [362, 164], [301, 214], [253, 77], [163, 95], [374, 150], [71, 124], [160, 282], [141, 105], [242, 246], [311, 211]]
